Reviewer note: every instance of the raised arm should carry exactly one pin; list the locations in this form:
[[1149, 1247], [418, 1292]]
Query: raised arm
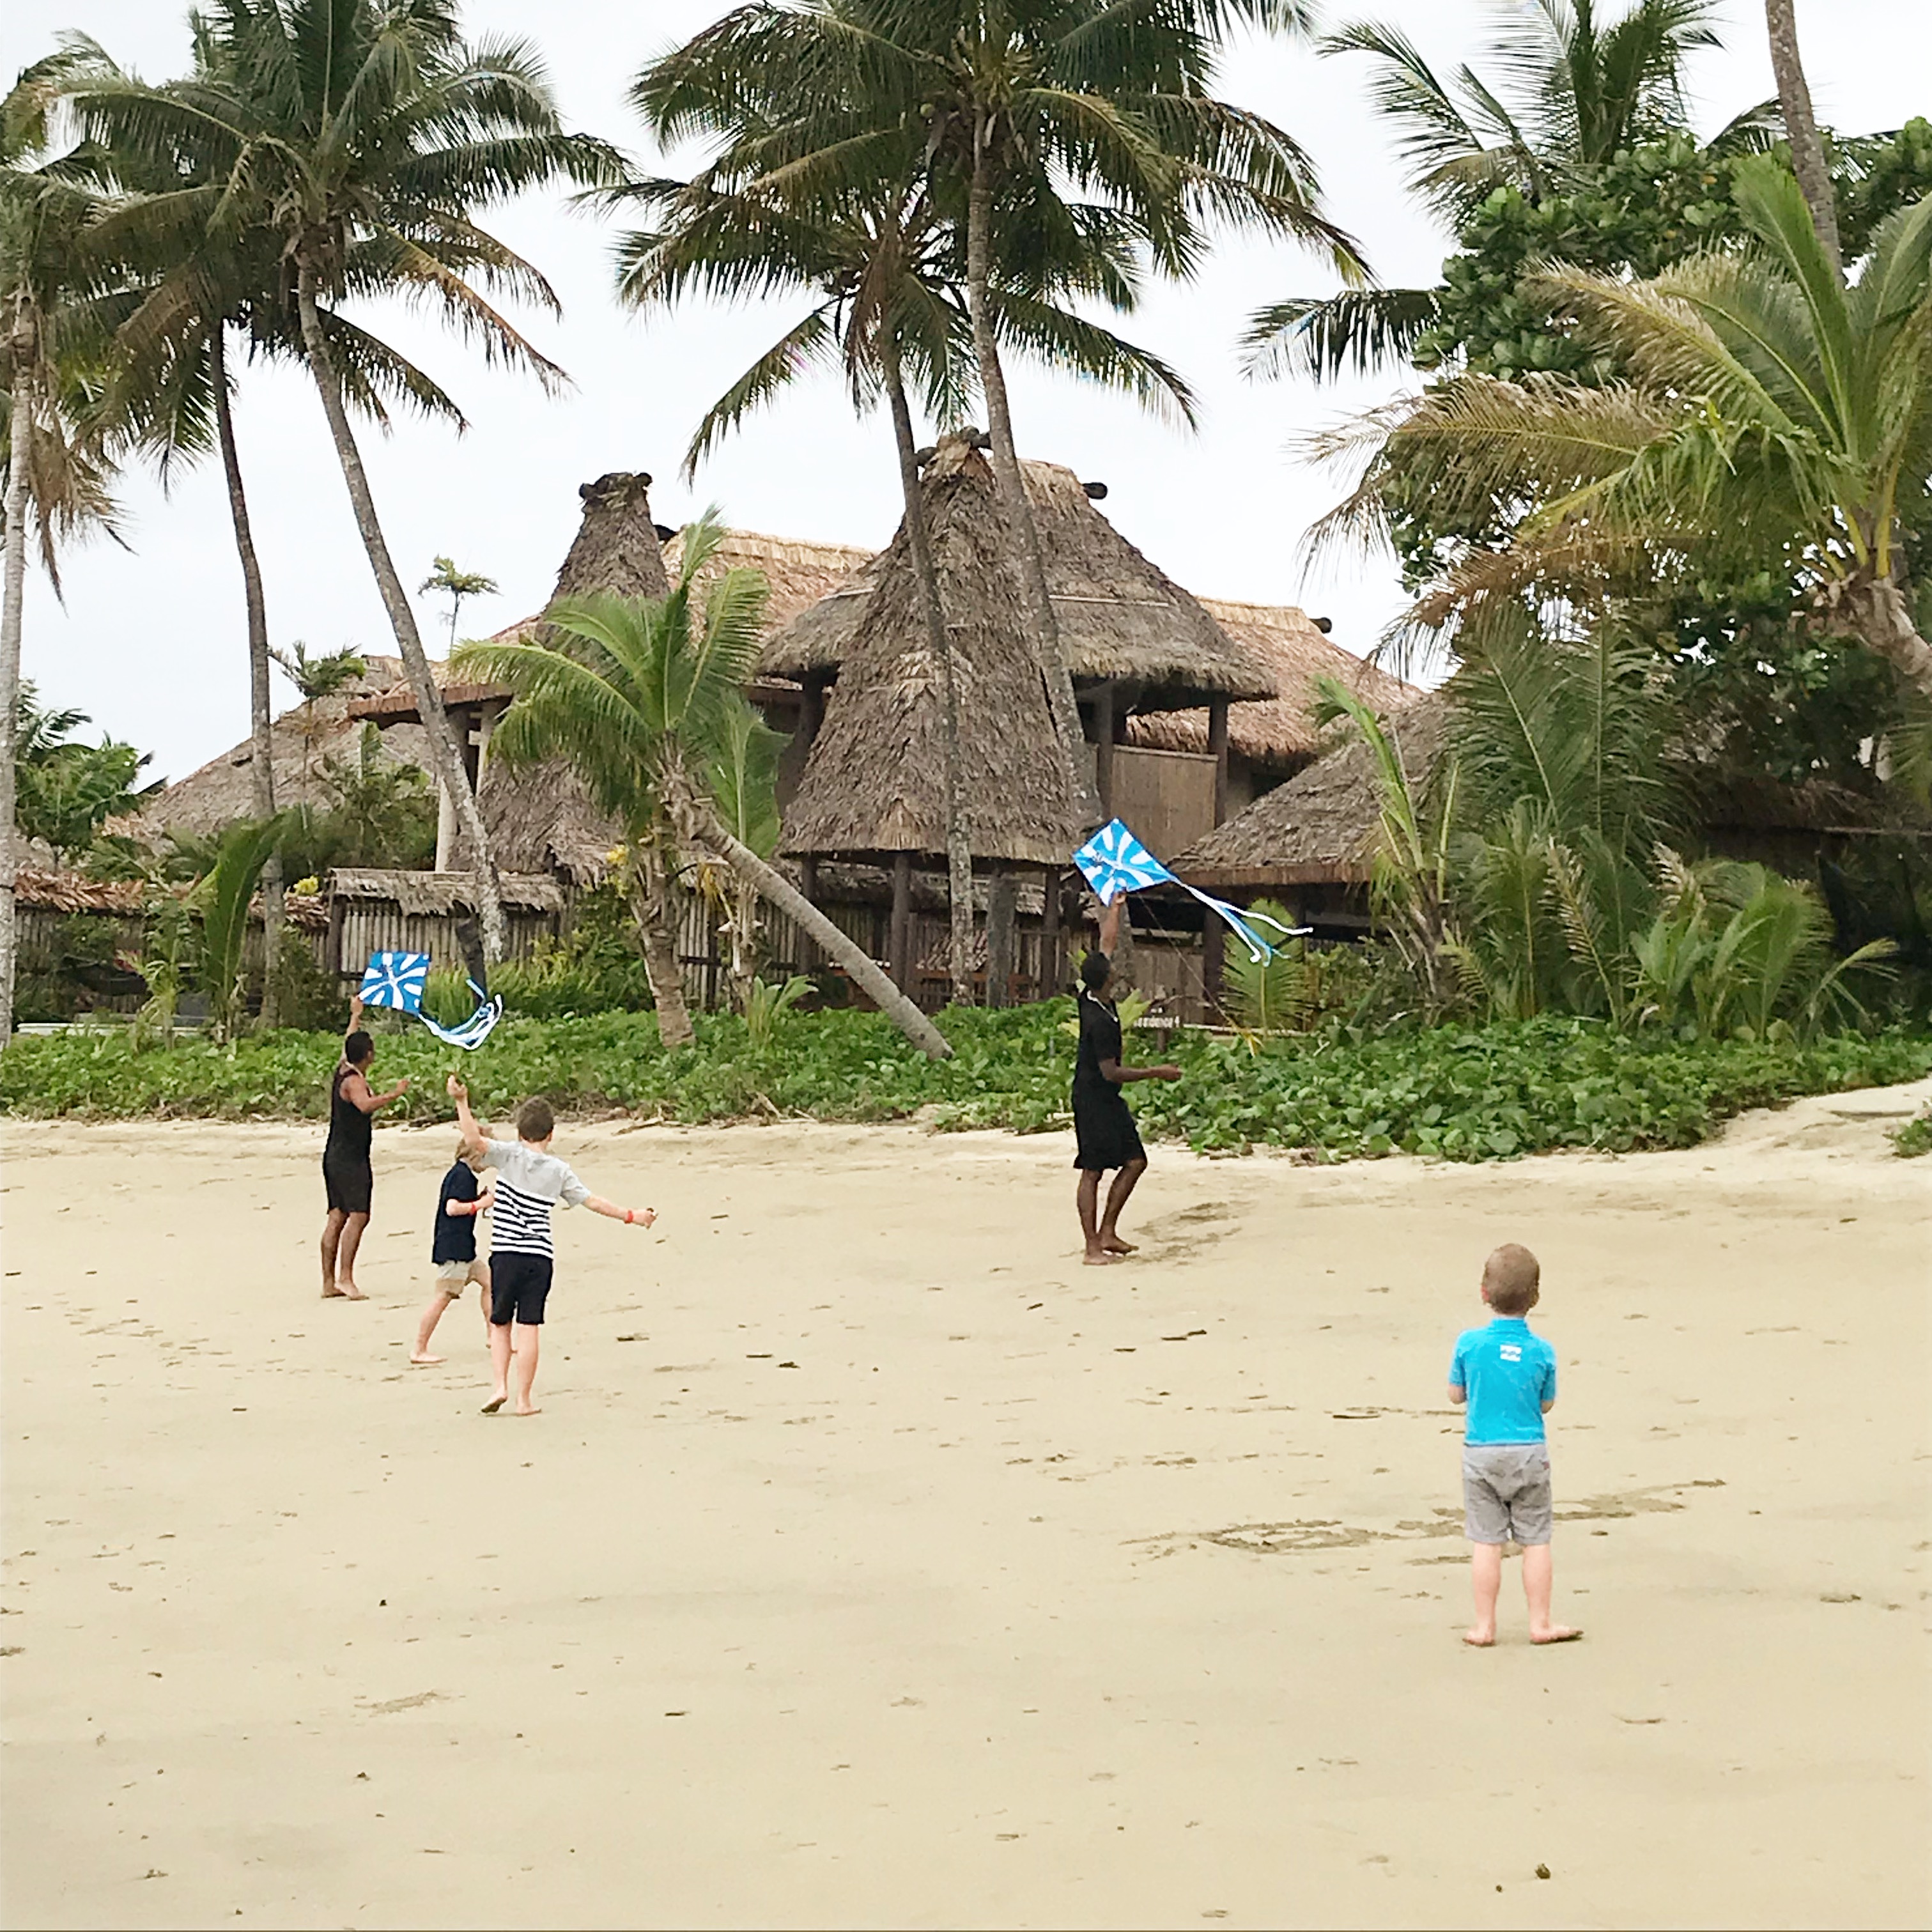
[[1110, 924], [475, 1142]]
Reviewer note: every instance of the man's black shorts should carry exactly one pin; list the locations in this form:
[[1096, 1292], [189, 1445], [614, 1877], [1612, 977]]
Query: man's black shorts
[[519, 1285], [350, 1183]]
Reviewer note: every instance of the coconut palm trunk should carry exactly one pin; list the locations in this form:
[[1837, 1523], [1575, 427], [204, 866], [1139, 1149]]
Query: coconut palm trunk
[[699, 826], [653, 906], [1058, 681], [1801, 125], [260, 718], [959, 845], [436, 727], [12, 592]]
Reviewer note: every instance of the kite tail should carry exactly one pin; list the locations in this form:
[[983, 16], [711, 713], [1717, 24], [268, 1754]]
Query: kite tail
[[1243, 923], [476, 1029]]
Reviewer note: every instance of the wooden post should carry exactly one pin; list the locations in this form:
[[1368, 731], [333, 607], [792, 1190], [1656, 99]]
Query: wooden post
[[1052, 969], [811, 707], [807, 883], [1213, 956], [1103, 746], [900, 964], [1217, 749], [1001, 892], [445, 828]]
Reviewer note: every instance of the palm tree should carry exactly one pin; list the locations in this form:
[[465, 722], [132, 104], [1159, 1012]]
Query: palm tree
[[879, 268], [60, 431], [360, 137], [456, 585], [1015, 102], [642, 702], [314, 678], [1770, 411], [1569, 92], [204, 279]]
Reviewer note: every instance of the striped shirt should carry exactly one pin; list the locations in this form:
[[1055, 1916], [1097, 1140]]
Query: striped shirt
[[530, 1183]]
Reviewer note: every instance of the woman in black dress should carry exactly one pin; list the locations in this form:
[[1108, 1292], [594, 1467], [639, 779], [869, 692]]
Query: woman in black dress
[[1103, 1124], [345, 1158]]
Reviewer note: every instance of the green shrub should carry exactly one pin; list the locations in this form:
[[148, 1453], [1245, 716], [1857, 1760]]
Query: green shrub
[[1915, 1138], [1461, 1093]]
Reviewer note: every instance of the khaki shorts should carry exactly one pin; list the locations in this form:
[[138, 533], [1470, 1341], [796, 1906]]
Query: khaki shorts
[[451, 1275], [1506, 1492]]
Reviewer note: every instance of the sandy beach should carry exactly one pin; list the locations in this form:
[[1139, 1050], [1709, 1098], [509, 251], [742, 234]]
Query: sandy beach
[[874, 1564]]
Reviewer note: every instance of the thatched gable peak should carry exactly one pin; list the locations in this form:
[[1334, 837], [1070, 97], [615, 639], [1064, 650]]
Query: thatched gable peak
[[1121, 617], [617, 547], [874, 783]]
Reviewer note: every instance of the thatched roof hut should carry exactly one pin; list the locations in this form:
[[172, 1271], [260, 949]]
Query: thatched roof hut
[[1275, 736], [872, 784], [1321, 827], [1122, 619]]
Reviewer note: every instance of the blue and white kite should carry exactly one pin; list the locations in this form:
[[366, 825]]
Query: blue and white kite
[[1116, 862], [399, 980], [396, 979]]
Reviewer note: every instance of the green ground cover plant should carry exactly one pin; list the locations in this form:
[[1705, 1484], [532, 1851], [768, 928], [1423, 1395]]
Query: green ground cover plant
[[1473, 1092]]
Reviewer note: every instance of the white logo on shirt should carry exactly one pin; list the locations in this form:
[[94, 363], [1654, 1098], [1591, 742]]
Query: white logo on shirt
[[1512, 1352]]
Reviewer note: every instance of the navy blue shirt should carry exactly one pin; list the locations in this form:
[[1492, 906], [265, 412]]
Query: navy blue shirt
[[455, 1233], [1509, 1373]]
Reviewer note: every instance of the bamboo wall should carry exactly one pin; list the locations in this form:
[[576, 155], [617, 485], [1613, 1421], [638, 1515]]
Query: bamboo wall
[[360, 927]]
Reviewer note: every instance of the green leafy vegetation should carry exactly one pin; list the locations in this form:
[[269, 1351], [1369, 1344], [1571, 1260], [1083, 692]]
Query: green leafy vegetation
[[1915, 1138], [1462, 1093]]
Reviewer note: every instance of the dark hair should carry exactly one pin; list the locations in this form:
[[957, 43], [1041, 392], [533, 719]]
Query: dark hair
[[535, 1121], [1513, 1277], [359, 1049], [1095, 971]]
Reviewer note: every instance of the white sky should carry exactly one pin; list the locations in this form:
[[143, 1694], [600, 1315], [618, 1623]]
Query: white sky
[[151, 640]]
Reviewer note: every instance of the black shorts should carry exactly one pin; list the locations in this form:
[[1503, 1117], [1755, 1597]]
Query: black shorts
[[350, 1183], [1104, 1133], [519, 1286]]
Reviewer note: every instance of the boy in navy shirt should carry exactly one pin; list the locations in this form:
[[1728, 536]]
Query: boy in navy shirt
[[453, 1253], [1508, 1377]]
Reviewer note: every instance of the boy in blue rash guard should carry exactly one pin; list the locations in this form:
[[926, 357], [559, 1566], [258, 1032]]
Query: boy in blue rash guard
[[1508, 1377], [459, 1210]]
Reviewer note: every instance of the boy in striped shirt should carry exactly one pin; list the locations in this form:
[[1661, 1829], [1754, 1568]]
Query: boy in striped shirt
[[530, 1181]]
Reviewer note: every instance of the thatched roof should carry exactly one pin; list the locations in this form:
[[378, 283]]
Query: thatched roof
[[873, 784], [1321, 827], [1120, 616], [222, 790], [1278, 733], [436, 894], [799, 573], [38, 891]]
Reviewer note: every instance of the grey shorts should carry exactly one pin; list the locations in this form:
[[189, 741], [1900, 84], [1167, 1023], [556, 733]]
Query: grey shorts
[[1506, 1492]]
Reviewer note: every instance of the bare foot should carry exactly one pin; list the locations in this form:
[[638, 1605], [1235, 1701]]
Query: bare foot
[[1556, 1633], [1114, 1245], [1099, 1258], [1479, 1639], [423, 1361], [495, 1402], [332, 1294], [533, 1410], [349, 1291]]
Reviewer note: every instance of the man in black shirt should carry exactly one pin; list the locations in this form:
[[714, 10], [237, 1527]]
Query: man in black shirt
[[1103, 1124]]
